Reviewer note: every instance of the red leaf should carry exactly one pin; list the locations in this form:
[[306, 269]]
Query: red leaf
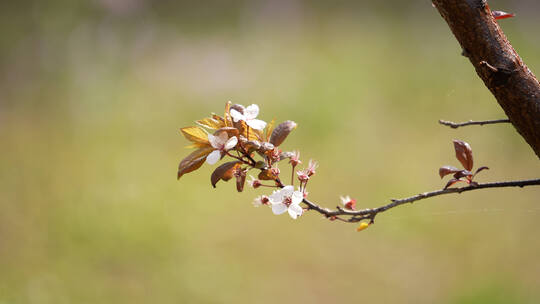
[[223, 172], [463, 173], [453, 181], [501, 15], [240, 181], [445, 170], [480, 169], [281, 132], [464, 154], [193, 161]]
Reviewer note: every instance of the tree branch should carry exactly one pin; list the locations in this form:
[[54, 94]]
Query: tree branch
[[455, 125], [369, 214], [514, 86]]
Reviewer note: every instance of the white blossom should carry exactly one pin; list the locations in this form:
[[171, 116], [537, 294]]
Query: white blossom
[[249, 116], [220, 143], [286, 199]]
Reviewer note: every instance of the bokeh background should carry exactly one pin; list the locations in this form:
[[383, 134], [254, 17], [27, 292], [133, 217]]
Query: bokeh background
[[92, 96]]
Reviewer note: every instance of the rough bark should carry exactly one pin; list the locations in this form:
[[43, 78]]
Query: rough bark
[[497, 63]]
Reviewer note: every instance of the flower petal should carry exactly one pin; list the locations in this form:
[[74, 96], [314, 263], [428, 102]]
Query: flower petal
[[251, 112], [297, 197], [256, 124], [279, 208], [231, 143], [287, 190], [237, 115], [214, 141], [295, 211], [213, 157], [276, 197]]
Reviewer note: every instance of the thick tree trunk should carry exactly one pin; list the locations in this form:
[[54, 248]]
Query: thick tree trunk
[[514, 86]]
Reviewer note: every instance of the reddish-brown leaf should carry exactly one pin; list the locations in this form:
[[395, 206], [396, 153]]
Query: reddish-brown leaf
[[445, 170], [464, 154], [240, 181], [281, 132], [223, 172], [463, 173], [193, 161], [453, 181], [480, 169]]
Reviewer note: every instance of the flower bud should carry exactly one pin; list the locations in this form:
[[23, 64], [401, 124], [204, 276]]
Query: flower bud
[[302, 176], [295, 158]]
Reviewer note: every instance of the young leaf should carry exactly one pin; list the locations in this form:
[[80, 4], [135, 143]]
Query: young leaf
[[480, 169], [464, 154], [445, 170], [240, 181], [219, 118], [210, 123], [453, 181], [193, 161], [255, 134], [463, 173], [195, 134], [223, 172], [227, 115], [501, 15], [281, 132], [269, 129]]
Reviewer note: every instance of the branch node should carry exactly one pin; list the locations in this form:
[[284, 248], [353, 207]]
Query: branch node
[[489, 66]]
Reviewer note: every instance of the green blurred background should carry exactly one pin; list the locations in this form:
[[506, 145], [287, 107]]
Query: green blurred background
[[93, 93]]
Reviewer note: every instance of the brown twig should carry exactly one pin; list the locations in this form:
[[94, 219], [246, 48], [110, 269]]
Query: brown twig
[[456, 125], [369, 214]]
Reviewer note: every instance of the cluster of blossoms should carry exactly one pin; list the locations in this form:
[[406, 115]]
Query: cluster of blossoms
[[243, 138]]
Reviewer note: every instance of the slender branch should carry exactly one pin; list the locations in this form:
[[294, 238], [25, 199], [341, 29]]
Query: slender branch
[[369, 214], [455, 125]]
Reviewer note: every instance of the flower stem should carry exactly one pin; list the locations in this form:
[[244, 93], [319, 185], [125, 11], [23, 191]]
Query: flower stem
[[292, 175]]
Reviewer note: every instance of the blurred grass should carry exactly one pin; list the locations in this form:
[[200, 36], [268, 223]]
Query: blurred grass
[[92, 97]]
